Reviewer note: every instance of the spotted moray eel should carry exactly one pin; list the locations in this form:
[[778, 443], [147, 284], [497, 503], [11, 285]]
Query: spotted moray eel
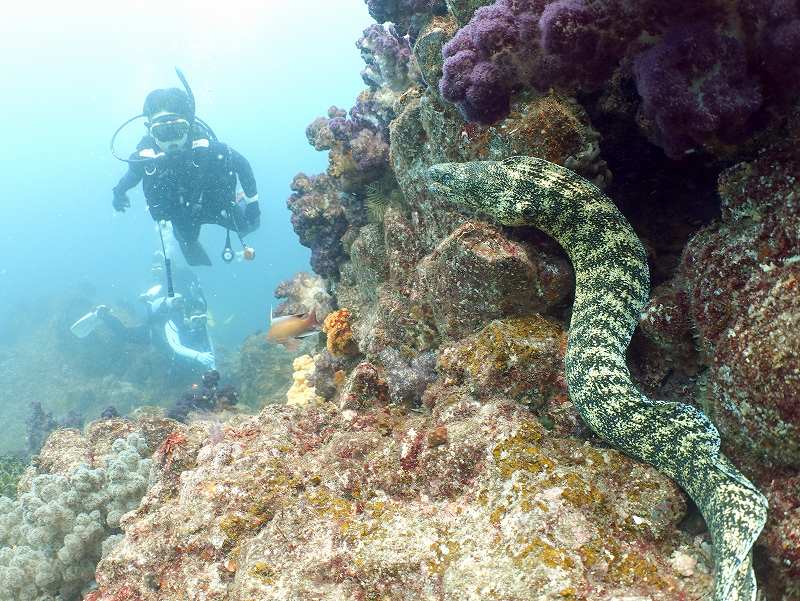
[[611, 287]]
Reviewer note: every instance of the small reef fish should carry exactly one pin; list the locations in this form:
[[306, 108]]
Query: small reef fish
[[288, 329]]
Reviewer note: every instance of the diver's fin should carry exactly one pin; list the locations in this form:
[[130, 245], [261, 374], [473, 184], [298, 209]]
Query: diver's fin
[[194, 253], [85, 325]]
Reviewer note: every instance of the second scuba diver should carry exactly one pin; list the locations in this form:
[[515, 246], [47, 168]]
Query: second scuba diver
[[189, 177], [177, 325]]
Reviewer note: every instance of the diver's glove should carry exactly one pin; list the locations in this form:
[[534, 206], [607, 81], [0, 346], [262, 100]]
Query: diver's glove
[[252, 213], [121, 202], [206, 360]]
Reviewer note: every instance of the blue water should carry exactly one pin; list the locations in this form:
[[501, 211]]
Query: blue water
[[72, 72]]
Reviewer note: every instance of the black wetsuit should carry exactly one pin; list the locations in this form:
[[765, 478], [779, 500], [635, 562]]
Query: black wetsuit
[[156, 330], [191, 187]]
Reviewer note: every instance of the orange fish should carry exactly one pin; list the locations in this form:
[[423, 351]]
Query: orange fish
[[289, 329]]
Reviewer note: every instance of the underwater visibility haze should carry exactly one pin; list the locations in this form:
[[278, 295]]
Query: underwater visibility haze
[[457, 300], [75, 72]]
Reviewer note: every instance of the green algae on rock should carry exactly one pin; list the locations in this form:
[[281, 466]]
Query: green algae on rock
[[520, 358]]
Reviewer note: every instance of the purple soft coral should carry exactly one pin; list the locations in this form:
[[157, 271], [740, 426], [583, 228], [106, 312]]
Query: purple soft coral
[[694, 85], [778, 42], [406, 14], [586, 38], [707, 70], [387, 56], [489, 59]]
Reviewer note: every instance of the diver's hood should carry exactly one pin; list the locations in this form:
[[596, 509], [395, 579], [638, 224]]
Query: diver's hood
[[194, 120]]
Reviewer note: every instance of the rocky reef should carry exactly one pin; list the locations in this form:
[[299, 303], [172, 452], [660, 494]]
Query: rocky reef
[[474, 499], [425, 446], [697, 148]]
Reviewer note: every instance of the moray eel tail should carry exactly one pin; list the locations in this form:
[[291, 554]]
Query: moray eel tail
[[611, 286]]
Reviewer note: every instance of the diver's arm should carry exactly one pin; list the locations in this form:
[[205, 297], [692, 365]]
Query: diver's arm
[[252, 211], [245, 172], [132, 177], [206, 360]]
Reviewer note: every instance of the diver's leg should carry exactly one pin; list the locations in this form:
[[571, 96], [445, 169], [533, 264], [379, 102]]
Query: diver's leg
[[135, 335], [186, 234]]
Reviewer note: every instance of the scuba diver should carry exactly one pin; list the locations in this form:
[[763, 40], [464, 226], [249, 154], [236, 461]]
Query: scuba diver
[[189, 177], [176, 324]]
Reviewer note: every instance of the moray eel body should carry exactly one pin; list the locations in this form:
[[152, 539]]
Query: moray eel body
[[611, 287]]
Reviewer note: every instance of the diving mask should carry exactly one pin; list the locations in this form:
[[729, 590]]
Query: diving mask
[[173, 130], [197, 321]]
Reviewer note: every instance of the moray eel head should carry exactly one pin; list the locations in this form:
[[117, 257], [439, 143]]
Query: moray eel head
[[489, 187]]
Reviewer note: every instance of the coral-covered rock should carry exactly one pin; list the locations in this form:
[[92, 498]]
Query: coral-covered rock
[[364, 388], [319, 221], [63, 451], [408, 15], [101, 434], [402, 242], [408, 379], [463, 10], [662, 355], [755, 375], [475, 498], [398, 320], [302, 293], [708, 97], [521, 358], [742, 275], [666, 320], [367, 268], [329, 373], [428, 49], [477, 274], [357, 142], [518, 358], [781, 535], [388, 58], [551, 126]]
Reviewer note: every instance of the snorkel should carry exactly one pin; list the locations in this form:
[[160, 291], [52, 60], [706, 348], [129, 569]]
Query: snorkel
[[193, 120]]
